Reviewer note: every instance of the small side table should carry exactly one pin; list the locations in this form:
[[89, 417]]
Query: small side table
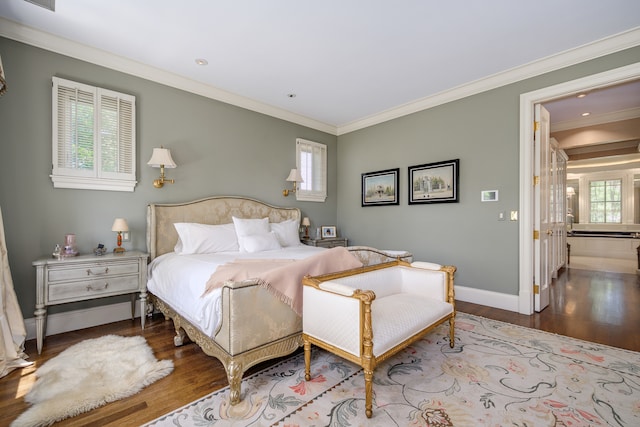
[[329, 242], [87, 277]]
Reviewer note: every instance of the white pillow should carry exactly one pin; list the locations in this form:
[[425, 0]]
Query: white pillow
[[248, 227], [287, 232], [194, 238], [259, 242]]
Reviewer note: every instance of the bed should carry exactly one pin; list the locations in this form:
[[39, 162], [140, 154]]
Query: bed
[[241, 323]]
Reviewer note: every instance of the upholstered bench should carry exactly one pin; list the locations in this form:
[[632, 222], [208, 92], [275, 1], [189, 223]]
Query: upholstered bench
[[368, 314]]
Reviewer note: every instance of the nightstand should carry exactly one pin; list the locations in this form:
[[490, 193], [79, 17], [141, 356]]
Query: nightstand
[[87, 277], [329, 242]]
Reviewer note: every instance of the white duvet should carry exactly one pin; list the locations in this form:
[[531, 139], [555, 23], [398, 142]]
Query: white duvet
[[180, 280]]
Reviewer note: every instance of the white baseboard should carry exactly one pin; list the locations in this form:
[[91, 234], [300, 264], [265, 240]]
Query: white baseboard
[[488, 298], [79, 319]]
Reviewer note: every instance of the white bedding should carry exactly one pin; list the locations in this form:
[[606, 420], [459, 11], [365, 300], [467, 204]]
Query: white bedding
[[180, 280]]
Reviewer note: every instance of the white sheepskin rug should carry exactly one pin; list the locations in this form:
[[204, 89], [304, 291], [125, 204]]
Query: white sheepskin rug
[[90, 374]]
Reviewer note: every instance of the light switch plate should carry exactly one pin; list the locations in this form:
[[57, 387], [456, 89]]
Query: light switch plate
[[502, 215], [126, 237], [514, 215]]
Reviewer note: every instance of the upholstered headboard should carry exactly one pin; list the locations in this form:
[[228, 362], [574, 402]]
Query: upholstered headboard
[[162, 235]]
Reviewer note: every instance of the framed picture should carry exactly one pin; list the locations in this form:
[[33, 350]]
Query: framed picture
[[434, 182], [329, 231], [380, 188]]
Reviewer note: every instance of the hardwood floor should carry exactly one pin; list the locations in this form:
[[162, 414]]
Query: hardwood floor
[[595, 306]]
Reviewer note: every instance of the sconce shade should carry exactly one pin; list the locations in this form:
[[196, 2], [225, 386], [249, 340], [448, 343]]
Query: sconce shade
[[295, 176], [120, 224], [306, 222], [161, 157], [571, 191]]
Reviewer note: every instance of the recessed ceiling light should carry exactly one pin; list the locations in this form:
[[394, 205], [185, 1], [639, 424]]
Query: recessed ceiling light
[[201, 61], [582, 95], [585, 114]]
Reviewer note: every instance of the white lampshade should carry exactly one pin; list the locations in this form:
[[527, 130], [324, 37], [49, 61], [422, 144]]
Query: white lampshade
[[294, 175], [120, 224], [161, 156], [305, 221], [571, 191]]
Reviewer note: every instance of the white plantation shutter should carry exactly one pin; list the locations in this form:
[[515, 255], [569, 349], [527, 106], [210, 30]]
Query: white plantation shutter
[[311, 161], [93, 137]]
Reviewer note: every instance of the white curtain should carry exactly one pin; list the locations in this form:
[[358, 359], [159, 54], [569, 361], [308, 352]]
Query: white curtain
[[12, 330]]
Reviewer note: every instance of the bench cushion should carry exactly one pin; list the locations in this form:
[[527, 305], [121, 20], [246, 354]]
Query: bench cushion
[[398, 317]]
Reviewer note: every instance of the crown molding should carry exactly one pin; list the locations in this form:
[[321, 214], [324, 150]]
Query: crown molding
[[593, 120], [37, 38], [606, 46], [31, 36]]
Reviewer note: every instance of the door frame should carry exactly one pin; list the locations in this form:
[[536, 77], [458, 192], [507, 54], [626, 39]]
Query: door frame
[[526, 205]]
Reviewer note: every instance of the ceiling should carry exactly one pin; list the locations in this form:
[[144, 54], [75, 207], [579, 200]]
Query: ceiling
[[333, 65]]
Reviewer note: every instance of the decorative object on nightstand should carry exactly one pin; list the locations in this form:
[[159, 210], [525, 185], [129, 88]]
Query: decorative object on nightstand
[[100, 250], [329, 231], [306, 223], [161, 158], [295, 177], [119, 225], [69, 246]]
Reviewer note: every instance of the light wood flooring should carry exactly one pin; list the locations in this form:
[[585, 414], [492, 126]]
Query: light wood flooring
[[603, 307]]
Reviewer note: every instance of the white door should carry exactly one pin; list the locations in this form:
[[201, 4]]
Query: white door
[[542, 222]]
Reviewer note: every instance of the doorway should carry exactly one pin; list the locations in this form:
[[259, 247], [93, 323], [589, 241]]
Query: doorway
[[527, 205]]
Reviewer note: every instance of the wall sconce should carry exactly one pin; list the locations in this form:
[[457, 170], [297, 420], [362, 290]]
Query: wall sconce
[[161, 158], [306, 223], [295, 177], [119, 225]]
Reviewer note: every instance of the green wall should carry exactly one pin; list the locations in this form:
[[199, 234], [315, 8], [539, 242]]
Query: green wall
[[220, 150], [483, 132]]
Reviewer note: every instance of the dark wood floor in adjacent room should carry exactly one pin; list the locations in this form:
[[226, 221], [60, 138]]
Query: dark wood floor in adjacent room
[[595, 306]]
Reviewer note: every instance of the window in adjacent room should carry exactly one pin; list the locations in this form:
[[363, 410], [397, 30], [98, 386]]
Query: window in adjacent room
[[605, 201], [94, 139], [311, 161]]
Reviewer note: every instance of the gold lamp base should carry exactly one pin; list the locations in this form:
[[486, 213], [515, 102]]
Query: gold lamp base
[[119, 250]]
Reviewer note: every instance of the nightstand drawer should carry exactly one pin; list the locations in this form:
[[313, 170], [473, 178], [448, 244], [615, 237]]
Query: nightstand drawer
[[89, 289], [91, 271], [330, 242]]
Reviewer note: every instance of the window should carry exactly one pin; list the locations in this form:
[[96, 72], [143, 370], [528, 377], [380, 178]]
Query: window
[[605, 201], [94, 141], [311, 161]]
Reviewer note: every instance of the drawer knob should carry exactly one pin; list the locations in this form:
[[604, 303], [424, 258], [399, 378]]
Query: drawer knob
[[99, 273], [91, 288]]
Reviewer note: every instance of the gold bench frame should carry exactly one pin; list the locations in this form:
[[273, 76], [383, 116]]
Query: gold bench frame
[[368, 361]]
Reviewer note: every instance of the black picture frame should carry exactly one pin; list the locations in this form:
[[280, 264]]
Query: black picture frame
[[434, 182], [380, 188]]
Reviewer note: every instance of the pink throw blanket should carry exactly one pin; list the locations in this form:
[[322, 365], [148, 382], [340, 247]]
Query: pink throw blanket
[[284, 277]]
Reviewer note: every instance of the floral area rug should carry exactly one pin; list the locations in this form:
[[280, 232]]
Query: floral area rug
[[497, 374]]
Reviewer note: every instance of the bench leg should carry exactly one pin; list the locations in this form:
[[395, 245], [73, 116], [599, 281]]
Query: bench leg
[[307, 359], [452, 331], [368, 390]]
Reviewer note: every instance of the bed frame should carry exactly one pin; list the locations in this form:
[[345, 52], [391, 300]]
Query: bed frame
[[255, 325]]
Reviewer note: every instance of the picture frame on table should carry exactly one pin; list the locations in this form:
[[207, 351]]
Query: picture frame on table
[[328, 232], [434, 182], [380, 188]]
